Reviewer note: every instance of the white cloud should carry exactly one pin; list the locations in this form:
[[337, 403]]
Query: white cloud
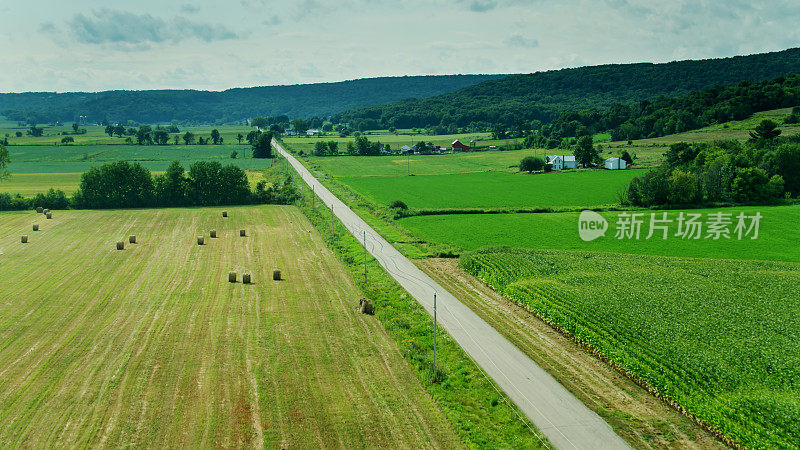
[[219, 44]]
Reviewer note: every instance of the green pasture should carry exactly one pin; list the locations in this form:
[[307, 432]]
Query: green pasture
[[777, 240], [497, 189]]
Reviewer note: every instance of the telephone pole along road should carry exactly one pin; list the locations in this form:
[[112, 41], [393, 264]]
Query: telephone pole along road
[[566, 422]]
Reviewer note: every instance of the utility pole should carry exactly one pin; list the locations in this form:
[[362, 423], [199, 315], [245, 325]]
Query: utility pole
[[365, 256], [434, 337]]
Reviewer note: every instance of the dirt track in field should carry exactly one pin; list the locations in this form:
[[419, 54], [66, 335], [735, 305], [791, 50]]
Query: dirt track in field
[[641, 419], [152, 346]]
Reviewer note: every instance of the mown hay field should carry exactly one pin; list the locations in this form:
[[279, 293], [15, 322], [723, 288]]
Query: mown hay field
[[151, 345], [716, 338]]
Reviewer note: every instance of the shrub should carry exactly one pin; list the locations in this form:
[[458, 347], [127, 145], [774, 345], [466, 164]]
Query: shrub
[[398, 204]]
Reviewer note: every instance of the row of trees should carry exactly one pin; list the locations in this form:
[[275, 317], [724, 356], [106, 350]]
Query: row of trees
[[669, 115], [207, 183], [759, 171]]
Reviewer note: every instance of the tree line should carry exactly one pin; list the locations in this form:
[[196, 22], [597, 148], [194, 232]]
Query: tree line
[[206, 183], [762, 170], [544, 96]]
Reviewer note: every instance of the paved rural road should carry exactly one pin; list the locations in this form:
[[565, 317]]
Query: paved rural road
[[565, 421]]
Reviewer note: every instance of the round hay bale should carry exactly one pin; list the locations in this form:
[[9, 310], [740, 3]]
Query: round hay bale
[[365, 306], [121, 245], [232, 277], [39, 209], [213, 233], [224, 213], [24, 238], [36, 227], [132, 239], [276, 275], [49, 215], [242, 233], [200, 240], [246, 278]]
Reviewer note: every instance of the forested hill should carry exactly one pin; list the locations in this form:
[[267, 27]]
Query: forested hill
[[544, 95], [308, 100]]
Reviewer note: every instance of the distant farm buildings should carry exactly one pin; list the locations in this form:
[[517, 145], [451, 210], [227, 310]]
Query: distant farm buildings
[[458, 146], [561, 162], [616, 164]]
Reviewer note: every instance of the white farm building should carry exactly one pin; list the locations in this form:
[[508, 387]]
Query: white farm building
[[561, 162], [616, 164]]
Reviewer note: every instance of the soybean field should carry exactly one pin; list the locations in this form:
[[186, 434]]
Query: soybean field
[[717, 339]]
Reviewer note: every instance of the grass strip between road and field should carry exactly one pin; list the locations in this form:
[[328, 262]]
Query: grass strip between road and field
[[478, 410]]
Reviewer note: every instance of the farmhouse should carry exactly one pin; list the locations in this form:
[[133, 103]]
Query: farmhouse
[[457, 146], [561, 162], [616, 164], [407, 149]]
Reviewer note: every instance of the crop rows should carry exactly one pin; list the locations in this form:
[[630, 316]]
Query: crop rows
[[717, 339]]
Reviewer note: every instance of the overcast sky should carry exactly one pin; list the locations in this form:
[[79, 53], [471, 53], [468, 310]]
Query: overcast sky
[[78, 45]]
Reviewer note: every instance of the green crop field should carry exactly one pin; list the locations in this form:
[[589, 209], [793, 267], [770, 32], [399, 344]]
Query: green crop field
[[777, 238], [497, 189], [717, 338], [79, 158], [152, 346]]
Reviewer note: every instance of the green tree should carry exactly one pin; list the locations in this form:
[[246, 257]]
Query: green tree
[[215, 136], [36, 131], [333, 148], [262, 146], [75, 127], [627, 158], [499, 131], [110, 130], [299, 125], [260, 122], [66, 140], [144, 135], [531, 163], [116, 185], [5, 160], [239, 138], [188, 138], [321, 149], [585, 152], [251, 136], [683, 187], [171, 187], [160, 136], [766, 130]]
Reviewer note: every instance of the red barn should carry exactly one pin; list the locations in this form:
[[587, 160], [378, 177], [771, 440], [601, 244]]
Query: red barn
[[457, 146]]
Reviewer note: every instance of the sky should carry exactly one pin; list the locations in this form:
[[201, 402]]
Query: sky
[[82, 45]]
